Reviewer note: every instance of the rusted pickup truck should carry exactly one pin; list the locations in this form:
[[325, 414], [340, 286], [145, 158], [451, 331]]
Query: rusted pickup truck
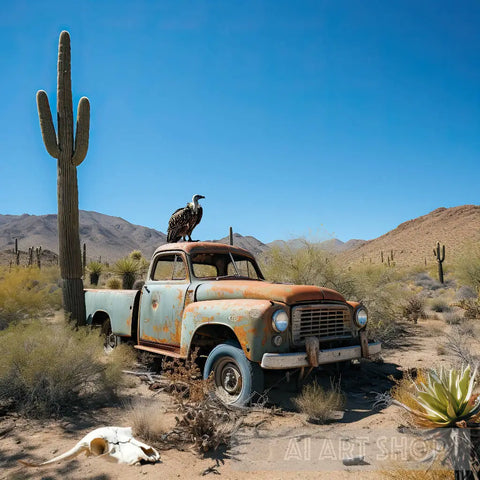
[[213, 297]]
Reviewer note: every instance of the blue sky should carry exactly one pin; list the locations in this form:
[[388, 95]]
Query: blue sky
[[314, 118]]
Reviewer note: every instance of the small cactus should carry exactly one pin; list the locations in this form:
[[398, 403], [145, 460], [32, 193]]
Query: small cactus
[[440, 256], [38, 253], [84, 259]]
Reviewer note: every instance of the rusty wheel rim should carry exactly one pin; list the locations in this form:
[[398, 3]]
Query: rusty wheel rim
[[228, 379]]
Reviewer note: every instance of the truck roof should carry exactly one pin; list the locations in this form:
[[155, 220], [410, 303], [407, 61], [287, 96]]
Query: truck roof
[[203, 247]]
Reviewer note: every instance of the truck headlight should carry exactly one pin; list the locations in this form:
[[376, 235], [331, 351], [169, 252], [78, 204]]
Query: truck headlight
[[280, 321], [361, 317]]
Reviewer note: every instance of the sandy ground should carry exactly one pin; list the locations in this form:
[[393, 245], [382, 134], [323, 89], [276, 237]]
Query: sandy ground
[[283, 447]]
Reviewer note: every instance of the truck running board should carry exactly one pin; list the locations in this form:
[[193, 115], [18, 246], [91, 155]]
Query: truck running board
[[161, 351]]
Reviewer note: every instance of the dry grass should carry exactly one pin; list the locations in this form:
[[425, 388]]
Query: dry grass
[[28, 292], [415, 308], [441, 349], [404, 388], [319, 404], [47, 369], [114, 283], [186, 379], [400, 473], [150, 421], [206, 425]]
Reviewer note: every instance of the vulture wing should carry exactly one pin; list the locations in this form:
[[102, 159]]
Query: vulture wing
[[176, 225]]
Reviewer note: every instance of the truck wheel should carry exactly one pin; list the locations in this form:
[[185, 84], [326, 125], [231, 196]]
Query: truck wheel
[[236, 378], [110, 341]]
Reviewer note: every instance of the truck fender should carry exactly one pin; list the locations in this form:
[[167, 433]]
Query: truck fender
[[249, 320]]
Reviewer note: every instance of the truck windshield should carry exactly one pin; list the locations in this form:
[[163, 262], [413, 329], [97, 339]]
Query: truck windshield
[[224, 265]]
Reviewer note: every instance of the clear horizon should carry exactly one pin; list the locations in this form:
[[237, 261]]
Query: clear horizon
[[315, 119]]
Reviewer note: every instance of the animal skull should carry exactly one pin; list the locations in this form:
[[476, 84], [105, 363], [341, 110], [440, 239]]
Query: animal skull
[[115, 444]]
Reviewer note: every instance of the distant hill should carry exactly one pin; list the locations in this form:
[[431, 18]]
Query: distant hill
[[105, 236], [413, 241], [113, 237], [334, 245], [249, 243]]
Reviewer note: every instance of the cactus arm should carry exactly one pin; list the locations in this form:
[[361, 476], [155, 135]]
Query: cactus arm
[[46, 124], [82, 132]]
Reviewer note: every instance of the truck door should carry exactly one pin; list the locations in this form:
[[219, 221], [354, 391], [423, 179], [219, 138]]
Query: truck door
[[163, 300]]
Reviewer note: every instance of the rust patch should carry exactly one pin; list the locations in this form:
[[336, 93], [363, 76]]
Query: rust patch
[[258, 290]]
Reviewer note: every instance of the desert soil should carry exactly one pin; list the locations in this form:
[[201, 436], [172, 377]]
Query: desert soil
[[282, 447]]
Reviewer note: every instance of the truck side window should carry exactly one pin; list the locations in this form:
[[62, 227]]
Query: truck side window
[[169, 267]]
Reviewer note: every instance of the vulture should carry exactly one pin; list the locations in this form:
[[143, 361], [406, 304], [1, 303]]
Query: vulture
[[184, 220]]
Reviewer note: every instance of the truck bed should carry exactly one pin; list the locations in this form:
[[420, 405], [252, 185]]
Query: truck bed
[[119, 305]]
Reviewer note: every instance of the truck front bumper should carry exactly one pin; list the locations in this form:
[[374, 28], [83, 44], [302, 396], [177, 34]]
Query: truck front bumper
[[279, 361]]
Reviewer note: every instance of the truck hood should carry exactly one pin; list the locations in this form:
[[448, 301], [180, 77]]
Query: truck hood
[[253, 289]]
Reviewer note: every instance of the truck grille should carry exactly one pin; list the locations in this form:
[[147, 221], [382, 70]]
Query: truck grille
[[327, 322]]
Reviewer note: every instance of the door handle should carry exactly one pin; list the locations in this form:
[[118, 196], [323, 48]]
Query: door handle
[[146, 288]]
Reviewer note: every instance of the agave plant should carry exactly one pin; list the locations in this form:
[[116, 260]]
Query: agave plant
[[127, 268], [95, 269], [444, 398]]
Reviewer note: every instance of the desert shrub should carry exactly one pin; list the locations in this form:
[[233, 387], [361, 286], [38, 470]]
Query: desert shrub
[[425, 281], [441, 349], [452, 318], [415, 308], [382, 291], [127, 268], [308, 265], [318, 403], [439, 305], [150, 421], [114, 283], [28, 292], [471, 307], [465, 293], [47, 369], [467, 265], [461, 343], [186, 380], [206, 425]]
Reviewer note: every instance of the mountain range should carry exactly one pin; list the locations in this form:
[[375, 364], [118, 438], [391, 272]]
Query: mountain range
[[109, 238]]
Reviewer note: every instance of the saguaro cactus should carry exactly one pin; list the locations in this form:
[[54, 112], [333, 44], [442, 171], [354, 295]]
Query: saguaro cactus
[[440, 255], [69, 152]]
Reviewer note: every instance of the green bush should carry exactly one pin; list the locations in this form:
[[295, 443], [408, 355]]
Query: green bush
[[47, 369], [439, 305], [28, 292], [308, 265], [114, 283], [128, 269], [467, 265]]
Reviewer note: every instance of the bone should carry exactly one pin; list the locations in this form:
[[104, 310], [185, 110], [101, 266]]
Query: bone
[[115, 444]]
